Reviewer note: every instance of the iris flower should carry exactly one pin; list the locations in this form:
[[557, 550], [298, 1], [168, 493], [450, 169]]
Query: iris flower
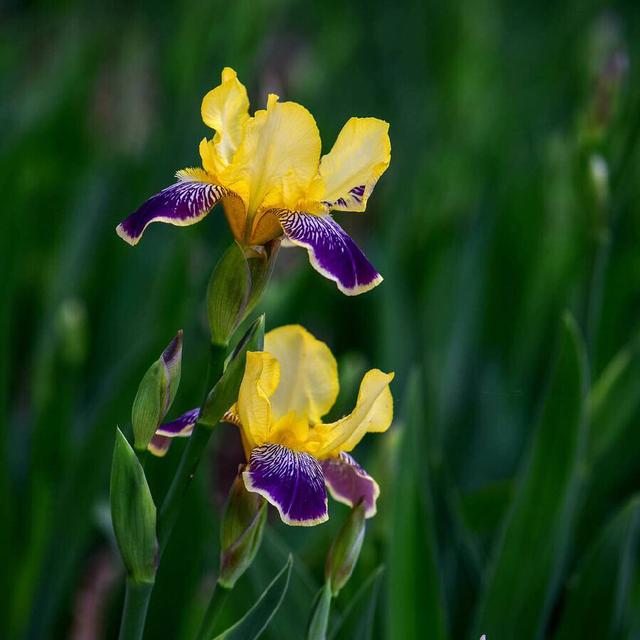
[[267, 172], [292, 456]]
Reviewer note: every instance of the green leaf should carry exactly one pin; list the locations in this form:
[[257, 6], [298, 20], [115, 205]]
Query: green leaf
[[530, 556], [225, 391], [357, 620], [414, 590], [257, 619], [320, 611], [597, 602], [614, 447], [228, 294], [613, 401], [133, 513], [484, 509]]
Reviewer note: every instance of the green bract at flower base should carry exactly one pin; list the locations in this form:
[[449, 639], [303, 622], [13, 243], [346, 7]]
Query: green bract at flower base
[[133, 513], [235, 287]]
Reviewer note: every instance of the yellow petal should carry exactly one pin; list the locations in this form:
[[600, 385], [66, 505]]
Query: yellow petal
[[373, 412], [278, 157], [225, 109], [308, 373], [261, 378], [349, 172]]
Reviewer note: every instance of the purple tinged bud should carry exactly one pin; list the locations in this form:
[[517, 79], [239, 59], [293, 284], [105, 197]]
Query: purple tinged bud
[[156, 393], [345, 550], [241, 532]]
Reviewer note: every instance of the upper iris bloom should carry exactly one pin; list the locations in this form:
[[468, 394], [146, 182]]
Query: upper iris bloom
[[291, 454], [267, 172]]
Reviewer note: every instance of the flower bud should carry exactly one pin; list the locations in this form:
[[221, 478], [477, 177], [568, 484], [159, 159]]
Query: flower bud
[[236, 284], [133, 513], [156, 393], [240, 532], [345, 550]]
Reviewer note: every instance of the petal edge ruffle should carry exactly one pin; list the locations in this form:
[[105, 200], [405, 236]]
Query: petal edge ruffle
[[331, 250]]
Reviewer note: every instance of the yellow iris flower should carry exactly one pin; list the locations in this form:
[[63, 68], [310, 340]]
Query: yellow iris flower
[[267, 172], [291, 453]]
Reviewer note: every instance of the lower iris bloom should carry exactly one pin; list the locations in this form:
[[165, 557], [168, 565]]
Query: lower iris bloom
[[292, 456], [267, 172]]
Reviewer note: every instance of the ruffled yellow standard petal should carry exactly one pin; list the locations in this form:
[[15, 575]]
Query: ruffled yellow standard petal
[[277, 159], [349, 172], [260, 380], [373, 413], [308, 374], [226, 110]]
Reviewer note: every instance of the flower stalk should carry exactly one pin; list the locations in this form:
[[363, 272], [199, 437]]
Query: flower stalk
[[216, 603]]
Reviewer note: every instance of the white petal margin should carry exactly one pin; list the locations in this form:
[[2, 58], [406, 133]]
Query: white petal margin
[[331, 250], [182, 204]]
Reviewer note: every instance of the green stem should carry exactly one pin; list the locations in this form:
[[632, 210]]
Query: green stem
[[182, 479], [137, 599], [190, 458], [218, 598], [136, 603]]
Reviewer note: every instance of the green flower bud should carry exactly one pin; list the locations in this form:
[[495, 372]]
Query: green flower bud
[[156, 393], [133, 513], [241, 532], [345, 550], [236, 284]]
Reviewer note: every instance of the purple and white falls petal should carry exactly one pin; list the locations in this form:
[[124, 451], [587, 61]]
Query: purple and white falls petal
[[349, 483], [292, 481], [181, 427], [183, 203], [331, 251]]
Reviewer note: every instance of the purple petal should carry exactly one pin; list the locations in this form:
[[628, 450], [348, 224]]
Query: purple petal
[[181, 204], [349, 483], [331, 251], [292, 481], [159, 445], [181, 427]]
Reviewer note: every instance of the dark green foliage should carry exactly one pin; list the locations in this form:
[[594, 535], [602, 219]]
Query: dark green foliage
[[513, 195]]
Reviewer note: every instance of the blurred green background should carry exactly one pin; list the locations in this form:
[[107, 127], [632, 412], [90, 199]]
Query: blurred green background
[[510, 480]]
